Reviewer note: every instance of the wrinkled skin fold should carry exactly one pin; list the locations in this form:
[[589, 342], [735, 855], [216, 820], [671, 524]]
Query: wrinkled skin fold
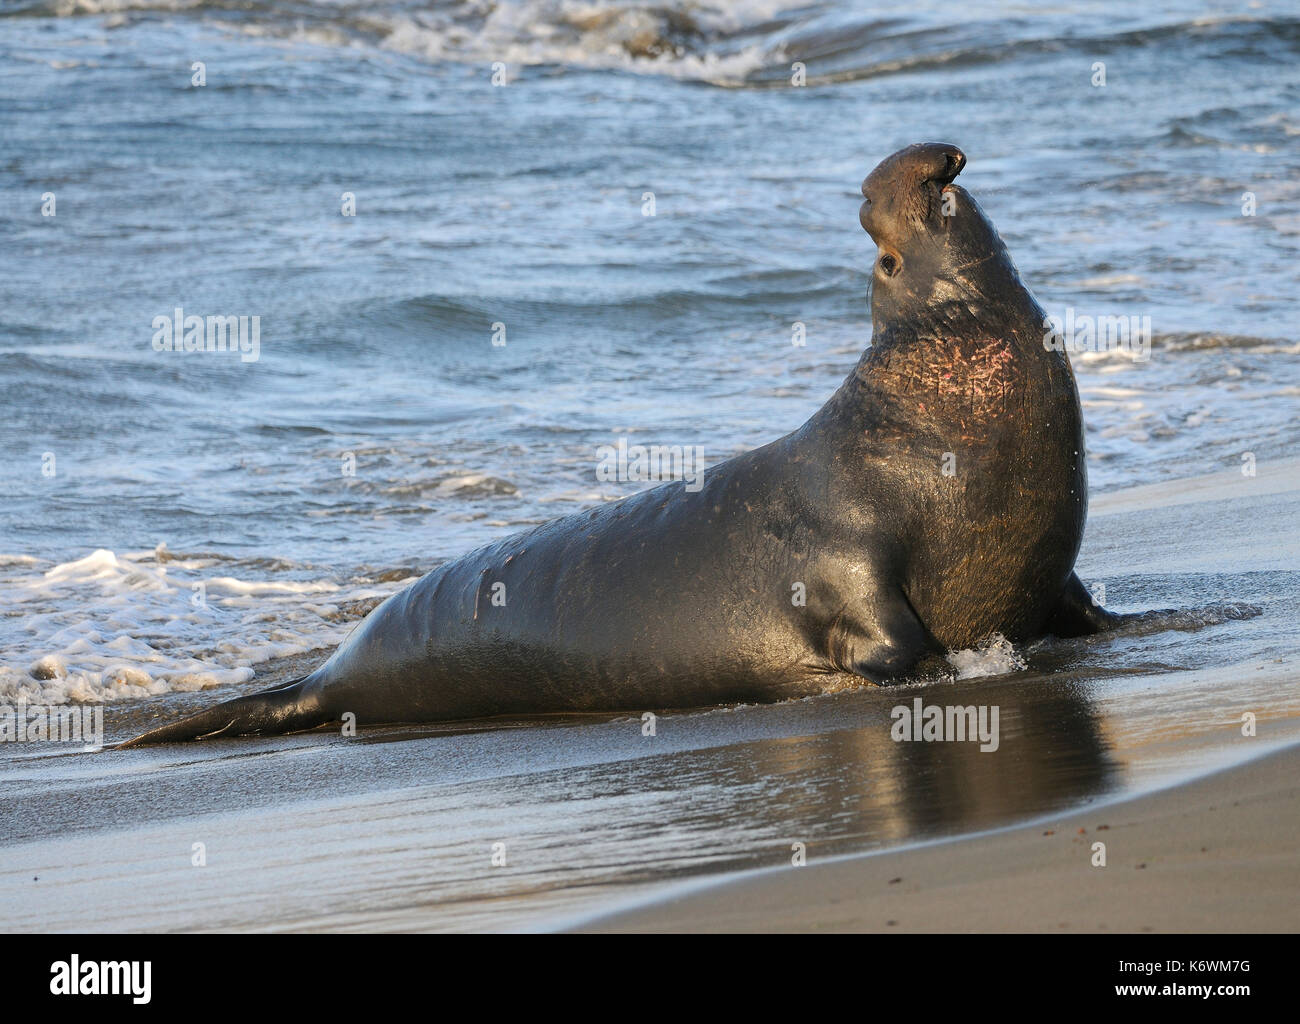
[[938, 497]]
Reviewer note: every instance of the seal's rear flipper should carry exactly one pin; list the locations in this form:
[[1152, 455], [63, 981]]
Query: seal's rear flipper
[[284, 708]]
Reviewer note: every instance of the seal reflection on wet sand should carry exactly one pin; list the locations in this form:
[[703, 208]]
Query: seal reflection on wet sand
[[938, 498]]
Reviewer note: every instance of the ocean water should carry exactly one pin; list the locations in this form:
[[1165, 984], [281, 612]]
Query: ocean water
[[173, 520]]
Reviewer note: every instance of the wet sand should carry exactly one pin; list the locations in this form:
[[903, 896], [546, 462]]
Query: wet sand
[[1214, 855], [398, 829]]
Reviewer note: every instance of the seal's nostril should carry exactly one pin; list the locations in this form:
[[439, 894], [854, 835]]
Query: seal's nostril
[[888, 264], [954, 161]]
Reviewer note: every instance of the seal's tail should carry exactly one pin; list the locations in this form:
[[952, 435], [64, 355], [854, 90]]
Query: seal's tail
[[283, 708]]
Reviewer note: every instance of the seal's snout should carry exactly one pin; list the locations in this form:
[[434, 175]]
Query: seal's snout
[[916, 165], [899, 193]]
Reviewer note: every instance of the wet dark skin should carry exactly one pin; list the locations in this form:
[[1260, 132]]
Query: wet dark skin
[[937, 498]]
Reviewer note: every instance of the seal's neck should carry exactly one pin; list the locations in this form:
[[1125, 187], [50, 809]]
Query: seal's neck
[[951, 291], [968, 355]]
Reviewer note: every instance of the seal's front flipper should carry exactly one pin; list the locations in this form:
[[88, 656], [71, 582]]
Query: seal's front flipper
[[1078, 614], [883, 644], [285, 708]]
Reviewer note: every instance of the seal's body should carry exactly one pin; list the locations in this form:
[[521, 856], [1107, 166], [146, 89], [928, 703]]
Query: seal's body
[[939, 497]]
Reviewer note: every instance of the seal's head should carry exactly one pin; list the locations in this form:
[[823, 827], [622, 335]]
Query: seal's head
[[935, 242]]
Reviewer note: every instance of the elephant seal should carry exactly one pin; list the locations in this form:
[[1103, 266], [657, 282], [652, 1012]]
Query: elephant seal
[[937, 498]]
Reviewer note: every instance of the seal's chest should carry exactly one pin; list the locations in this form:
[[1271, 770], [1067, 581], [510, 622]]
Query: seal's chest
[[968, 384], [993, 577], [975, 379]]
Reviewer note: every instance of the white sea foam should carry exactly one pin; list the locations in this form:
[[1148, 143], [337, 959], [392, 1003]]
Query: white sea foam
[[549, 33], [702, 41], [110, 627], [992, 657]]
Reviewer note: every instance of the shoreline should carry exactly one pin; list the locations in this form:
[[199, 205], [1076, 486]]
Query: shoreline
[[1216, 853], [609, 830]]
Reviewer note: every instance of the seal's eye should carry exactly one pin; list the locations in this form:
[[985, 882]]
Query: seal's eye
[[888, 264]]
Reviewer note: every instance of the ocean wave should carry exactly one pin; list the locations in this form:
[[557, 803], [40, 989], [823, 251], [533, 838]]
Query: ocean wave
[[1199, 341], [462, 485], [719, 298], [740, 43]]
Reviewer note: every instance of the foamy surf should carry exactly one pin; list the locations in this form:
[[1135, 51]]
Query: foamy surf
[[110, 627]]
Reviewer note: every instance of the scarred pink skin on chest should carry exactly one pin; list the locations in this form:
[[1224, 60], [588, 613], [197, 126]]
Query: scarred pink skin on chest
[[963, 380]]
